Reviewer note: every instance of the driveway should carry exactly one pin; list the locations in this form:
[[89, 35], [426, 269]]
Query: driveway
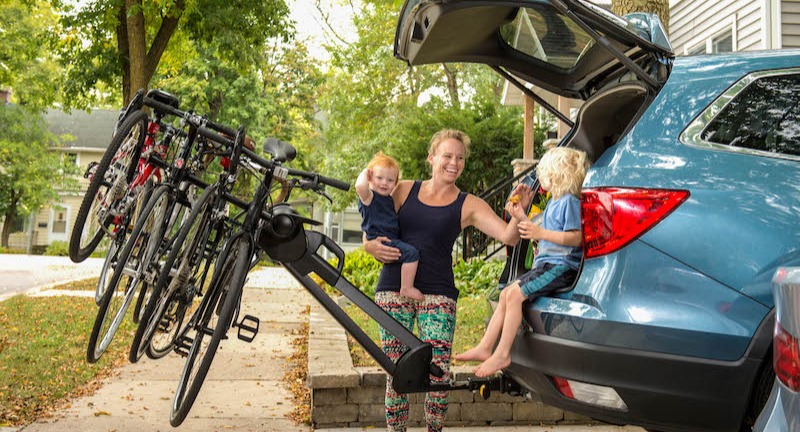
[[24, 273]]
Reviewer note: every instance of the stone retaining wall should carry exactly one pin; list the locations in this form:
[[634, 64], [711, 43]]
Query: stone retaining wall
[[346, 396]]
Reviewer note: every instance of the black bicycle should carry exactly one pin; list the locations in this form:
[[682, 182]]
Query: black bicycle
[[140, 260]]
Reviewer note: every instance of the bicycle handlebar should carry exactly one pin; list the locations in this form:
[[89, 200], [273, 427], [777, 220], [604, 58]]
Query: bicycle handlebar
[[207, 132]]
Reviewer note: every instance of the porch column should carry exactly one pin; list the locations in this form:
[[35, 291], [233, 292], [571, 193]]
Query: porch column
[[527, 160], [563, 107]]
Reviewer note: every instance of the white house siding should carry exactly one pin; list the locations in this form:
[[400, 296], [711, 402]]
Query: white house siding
[[693, 22], [790, 23]]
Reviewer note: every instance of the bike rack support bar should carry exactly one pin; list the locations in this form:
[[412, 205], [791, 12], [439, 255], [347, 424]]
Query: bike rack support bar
[[350, 326], [412, 371]]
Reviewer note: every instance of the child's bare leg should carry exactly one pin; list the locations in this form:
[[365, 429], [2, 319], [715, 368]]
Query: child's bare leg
[[408, 273], [513, 317], [483, 350]]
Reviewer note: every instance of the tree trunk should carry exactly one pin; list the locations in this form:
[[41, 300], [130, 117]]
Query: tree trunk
[[10, 215], [138, 62], [658, 7], [124, 54], [136, 46], [452, 86]]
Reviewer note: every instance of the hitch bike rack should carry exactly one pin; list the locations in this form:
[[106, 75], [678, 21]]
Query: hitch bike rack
[[412, 372]]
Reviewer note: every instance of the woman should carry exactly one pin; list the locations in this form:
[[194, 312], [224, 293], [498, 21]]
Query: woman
[[431, 214]]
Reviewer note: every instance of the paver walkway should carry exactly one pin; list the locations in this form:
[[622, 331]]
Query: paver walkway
[[242, 392]]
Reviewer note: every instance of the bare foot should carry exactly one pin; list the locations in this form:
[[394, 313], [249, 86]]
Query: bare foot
[[412, 293], [476, 353], [492, 365]]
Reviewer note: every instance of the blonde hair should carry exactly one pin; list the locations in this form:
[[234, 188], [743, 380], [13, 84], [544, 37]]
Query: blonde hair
[[384, 161], [446, 134], [564, 169]]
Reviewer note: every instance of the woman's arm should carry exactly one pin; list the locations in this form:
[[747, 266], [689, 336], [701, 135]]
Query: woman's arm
[[477, 213]]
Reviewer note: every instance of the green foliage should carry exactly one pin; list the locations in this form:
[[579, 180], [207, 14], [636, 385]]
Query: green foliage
[[477, 277], [375, 102], [362, 270], [27, 65], [236, 31], [57, 248], [28, 166]]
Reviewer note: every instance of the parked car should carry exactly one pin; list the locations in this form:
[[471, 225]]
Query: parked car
[[782, 412], [690, 206]]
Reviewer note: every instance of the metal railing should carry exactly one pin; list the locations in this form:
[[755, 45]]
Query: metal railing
[[475, 244]]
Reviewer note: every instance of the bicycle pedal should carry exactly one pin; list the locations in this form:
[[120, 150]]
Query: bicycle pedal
[[182, 345], [248, 328]]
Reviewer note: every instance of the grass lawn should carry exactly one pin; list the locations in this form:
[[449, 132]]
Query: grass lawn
[[470, 317], [43, 353]]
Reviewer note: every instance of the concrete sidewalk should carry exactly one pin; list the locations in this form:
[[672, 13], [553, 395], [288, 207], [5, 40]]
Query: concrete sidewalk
[[29, 273], [243, 391]]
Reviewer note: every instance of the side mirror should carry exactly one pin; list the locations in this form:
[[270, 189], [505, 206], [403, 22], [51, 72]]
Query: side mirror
[[281, 151]]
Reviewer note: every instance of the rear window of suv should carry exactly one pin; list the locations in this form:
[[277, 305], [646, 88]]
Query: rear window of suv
[[762, 116]]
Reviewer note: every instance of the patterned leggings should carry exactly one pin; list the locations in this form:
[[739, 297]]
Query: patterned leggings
[[436, 321]]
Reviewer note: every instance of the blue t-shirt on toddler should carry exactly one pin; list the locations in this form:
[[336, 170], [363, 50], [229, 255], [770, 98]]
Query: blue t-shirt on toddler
[[562, 214]]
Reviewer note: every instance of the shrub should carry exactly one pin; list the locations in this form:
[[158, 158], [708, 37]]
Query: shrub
[[57, 248], [476, 276]]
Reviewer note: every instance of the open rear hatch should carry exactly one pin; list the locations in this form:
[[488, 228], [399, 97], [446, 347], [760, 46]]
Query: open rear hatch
[[569, 47]]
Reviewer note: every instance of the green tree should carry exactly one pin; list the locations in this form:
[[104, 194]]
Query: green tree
[[116, 46], [375, 102], [27, 65], [28, 166]]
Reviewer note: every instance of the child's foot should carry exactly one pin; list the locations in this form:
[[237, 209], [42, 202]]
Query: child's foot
[[492, 365], [412, 293], [474, 354]]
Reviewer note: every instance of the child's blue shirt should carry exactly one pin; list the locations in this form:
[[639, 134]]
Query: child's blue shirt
[[562, 214]]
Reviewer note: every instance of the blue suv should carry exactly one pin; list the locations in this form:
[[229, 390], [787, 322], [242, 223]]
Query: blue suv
[[691, 204]]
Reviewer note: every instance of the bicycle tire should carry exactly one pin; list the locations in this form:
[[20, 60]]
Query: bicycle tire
[[113, 307], [163, 296], [114, 248], [222, 304], [136, 123]]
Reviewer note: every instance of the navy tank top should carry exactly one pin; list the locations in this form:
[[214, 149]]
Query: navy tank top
[[433, 231]]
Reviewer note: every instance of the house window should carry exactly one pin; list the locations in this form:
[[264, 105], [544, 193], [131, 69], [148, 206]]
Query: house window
[[71, 158], [352, 226], [722, 43], [19, 224], [60, 222]]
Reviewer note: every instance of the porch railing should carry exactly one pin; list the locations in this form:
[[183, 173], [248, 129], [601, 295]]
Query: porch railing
[[475, 244]]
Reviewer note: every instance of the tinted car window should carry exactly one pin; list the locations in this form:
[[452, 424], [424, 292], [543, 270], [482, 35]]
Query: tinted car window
[[544, 34], [764, 116]]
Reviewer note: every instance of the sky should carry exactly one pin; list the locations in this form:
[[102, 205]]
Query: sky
[[310, 26]]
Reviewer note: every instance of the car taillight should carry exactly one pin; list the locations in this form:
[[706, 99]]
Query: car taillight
[[786, 358], [590, 393], [613, 217]]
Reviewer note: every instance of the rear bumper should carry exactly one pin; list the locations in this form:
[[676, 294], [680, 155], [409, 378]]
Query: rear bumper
[[662, 391]]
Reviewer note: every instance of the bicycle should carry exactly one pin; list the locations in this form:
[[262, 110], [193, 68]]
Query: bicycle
[[120, 171], [152, 237], [219, 308], [198, 244]]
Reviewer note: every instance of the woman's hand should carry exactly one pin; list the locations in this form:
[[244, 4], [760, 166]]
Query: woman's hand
[[525, 194], [530, 231], [380, 251]]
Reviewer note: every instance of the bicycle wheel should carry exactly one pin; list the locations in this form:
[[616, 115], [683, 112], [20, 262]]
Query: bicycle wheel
[[214, 318], [129, 272], [108, 186], [174, 290], [115, 246]]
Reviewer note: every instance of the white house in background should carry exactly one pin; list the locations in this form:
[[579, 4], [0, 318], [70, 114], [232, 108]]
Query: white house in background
[[704, 27], [90, 134]]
